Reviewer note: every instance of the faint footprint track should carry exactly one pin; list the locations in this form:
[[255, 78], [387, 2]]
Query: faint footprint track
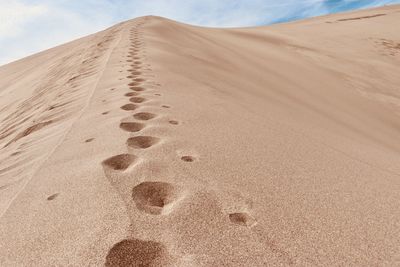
[[134, 74], [243, 219], [119, 162], [130, 94], [173, 122], [155, 197], [165, 106], [29, 130], [131, 126], [137, 99], [133, 84], [136, 253], [142, 142], [144, 116], [129, 107]]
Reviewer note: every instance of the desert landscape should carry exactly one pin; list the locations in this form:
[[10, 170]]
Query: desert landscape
[[157, 143]]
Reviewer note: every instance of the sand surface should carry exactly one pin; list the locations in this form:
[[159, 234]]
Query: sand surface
[[163, 144]]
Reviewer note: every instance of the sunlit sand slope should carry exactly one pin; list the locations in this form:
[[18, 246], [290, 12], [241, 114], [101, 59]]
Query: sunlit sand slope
[[155, 143]]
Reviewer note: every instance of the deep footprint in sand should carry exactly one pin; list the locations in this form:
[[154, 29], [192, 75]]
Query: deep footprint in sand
[[119, 162], [129, 107], [135, 252], [142, 142], [144, 116], [242, 218], [137, 99], [131, 126], [155, 197]]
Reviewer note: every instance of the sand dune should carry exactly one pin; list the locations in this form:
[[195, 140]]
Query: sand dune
[[155, 143]]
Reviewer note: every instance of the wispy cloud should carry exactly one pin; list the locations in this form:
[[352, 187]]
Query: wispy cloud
[[27, 27]]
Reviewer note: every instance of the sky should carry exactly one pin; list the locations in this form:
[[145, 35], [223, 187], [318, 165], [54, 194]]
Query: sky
[[30, 26]]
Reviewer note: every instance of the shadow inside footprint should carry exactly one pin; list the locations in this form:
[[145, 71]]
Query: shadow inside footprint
[[187, 158], [119, 162], [142, 141], [131, 126], [155, 197], [135, 252], [129, 107], [137, 99], [52, 196], [134, 84], [242, 218], [130, 94], [144, 116]]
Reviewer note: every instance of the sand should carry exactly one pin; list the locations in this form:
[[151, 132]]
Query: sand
[[155, 143]]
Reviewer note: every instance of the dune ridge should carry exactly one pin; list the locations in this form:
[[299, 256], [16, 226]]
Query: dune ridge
[[156, 143]]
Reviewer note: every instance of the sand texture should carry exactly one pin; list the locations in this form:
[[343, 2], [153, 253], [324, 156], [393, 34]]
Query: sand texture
[[156, 143]]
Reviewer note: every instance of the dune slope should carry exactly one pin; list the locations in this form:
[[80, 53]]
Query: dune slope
[[164, 144]]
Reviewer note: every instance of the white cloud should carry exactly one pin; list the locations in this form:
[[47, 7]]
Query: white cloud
[[13, 16]]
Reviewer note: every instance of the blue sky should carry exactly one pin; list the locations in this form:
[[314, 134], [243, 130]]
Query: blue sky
[[29, 26]]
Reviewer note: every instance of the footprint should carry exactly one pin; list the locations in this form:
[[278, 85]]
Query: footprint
[[136, 73], [134, 84], [157, 94], [135, 252], [119, 162], [144, 116], [139, 80], [173, 122], [165, 106], [105, 112], [137, 88], [52, 196], [155, 197], [142, 142], [187, 158], [242, 218], [137, 99], [89, 140], [129, 107], [132, 94], [131, 126]]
